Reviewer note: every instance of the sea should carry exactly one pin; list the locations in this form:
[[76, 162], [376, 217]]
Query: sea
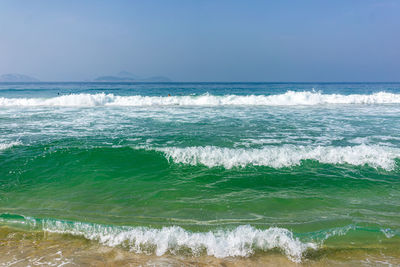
[[200, 174]]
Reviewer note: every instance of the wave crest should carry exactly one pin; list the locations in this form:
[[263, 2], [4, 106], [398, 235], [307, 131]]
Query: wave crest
[[241, 241], [4, 146], [289, 98], [283, 156]]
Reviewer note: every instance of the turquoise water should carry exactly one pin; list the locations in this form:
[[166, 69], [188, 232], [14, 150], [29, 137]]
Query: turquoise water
[[221, 169]]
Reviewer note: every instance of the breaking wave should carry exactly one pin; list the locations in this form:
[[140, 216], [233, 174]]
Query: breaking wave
[[284, 156], [241, 241], [287, 99], [4, 146]]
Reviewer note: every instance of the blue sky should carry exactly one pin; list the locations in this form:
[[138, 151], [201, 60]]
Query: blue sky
[[202, 40]]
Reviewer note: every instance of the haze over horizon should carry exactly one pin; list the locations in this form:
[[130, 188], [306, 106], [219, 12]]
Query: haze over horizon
[[311, 41]]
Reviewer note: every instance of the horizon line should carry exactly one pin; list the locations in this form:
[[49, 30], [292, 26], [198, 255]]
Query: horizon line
[[143, 82]]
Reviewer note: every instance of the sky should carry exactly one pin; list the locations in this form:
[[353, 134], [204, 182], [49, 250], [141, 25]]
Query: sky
[[203, 40]]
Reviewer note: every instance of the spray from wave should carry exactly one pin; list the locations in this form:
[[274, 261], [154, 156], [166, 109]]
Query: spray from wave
[[289, 98], [283, 156]]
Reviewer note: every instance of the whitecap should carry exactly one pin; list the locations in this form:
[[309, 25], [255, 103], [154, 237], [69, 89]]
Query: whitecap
[[242, 241], [4, 146], [290, 98], [283, 156]]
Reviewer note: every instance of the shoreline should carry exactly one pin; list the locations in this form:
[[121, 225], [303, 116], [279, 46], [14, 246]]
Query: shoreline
[[21, 248]]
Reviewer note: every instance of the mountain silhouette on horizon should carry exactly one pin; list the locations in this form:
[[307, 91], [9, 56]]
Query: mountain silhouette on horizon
[[16, 77], [125, 76]]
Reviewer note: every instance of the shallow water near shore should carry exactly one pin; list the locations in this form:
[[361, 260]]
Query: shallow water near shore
[[217, 174], [19, 248]]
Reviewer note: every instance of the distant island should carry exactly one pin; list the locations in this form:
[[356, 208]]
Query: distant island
[[15, 77], [125, 76], [122, 76]]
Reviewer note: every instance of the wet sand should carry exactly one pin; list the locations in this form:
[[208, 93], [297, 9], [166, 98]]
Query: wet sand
[[19, 248]]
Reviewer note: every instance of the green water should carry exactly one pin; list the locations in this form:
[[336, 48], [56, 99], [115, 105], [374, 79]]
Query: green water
[[324, 175]]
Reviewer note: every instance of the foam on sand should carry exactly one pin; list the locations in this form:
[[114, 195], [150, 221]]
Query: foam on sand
[[241, 241]]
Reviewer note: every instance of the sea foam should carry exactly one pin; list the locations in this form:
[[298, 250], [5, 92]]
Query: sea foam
[[241, 241], [283, 156], [290, 98], [4, 146]]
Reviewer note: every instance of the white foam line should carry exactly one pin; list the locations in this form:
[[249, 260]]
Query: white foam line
[[283, 156], [241, 241], [289, 98], [4, 146]]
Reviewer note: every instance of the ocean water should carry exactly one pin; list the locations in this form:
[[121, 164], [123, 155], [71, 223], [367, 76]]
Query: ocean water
[[222, 171]]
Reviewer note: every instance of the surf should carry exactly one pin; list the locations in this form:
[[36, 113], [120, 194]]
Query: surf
[[283, 156], [289, 98]]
